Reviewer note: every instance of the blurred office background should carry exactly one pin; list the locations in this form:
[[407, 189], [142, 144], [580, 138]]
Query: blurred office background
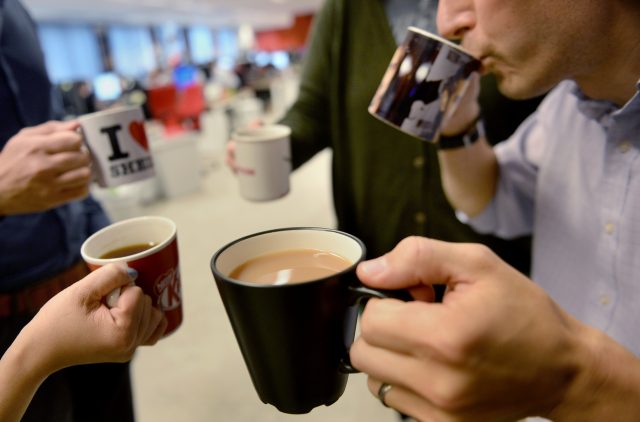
[[200, 68]]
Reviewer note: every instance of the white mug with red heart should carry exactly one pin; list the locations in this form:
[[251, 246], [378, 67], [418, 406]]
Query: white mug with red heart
[[118, 145]]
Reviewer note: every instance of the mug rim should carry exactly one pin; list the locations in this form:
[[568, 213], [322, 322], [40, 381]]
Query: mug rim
[[279, 132], [438, 38], [219, 275], [133, 257], [109, 112]]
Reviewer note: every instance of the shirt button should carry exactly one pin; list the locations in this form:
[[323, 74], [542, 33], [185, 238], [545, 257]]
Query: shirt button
[[609, 228], [418, 162], [420, 217], [604, 300], [624, 146]]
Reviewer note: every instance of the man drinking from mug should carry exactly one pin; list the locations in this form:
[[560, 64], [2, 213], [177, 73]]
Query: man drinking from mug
[[499, 347]]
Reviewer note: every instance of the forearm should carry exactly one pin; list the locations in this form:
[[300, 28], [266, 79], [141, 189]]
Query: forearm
[[607, 387], [21, 374], [469, 176]]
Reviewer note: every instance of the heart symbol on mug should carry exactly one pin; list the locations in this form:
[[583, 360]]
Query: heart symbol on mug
[[136, 129]]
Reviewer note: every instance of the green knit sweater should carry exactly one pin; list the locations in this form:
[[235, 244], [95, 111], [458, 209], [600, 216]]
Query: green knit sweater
[[386, 185]]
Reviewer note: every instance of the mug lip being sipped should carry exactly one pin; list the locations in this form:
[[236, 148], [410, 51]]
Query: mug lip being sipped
[[442, 40], [220, 275]]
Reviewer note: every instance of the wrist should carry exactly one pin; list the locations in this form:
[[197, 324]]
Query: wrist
[[470, 135], [606, 385]]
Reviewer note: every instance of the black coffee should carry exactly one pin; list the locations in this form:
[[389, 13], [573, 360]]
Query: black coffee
[[128, 250]]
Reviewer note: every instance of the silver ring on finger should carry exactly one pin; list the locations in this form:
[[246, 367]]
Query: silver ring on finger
[[382, 392]]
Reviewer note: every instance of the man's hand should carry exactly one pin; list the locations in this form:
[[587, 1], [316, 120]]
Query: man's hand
[[42, 167], [464, 108], [496, 349]]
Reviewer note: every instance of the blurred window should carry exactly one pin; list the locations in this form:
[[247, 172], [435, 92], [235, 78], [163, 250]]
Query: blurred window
[[280, 59], [131, 50], [71, 52], [227, 43], [201, 44], [172, 43]]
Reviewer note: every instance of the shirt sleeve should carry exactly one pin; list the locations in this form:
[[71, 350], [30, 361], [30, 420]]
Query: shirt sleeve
[[309, 117], [511, 212]]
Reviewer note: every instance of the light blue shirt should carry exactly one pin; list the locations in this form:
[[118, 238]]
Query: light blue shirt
[[570, 176]]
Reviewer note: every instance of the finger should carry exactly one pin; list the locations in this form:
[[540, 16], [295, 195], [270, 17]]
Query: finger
[[69, 160], [159, 326], [51, 127], [62, 140], [145, 323], [418, 260], [426, 372], [74, 179], [423, 327], [407, 402]]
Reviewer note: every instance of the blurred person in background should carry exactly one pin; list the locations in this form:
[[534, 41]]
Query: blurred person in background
[[386, 185], [45, 215]]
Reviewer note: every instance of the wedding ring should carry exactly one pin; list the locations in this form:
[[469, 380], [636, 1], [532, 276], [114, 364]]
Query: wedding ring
[[382, 392]]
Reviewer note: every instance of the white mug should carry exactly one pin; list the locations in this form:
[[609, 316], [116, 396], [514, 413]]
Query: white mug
[[263, 161], [118, 144]]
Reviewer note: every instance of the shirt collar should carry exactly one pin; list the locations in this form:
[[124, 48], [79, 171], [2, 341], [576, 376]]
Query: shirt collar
[[603, 109]]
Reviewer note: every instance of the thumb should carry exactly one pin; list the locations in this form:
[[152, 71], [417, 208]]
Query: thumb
[[105, 279], [417, 261]]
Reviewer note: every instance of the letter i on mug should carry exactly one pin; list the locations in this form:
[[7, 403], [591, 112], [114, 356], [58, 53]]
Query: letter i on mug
[[118, 144]]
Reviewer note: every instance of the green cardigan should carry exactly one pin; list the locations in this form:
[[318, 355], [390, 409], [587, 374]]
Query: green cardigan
[[386, 185]]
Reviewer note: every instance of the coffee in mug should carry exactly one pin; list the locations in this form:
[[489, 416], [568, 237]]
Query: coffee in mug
[[291, 266], [128, 250]]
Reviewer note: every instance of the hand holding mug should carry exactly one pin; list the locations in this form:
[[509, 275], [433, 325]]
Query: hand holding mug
[[149, 245], [292, 299], [465, 109], [77, 327], [496, 348], [423, 86], [42, 167]]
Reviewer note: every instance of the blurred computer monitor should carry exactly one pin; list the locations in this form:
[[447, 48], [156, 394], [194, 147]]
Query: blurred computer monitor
[[107, 87], [185, 75]]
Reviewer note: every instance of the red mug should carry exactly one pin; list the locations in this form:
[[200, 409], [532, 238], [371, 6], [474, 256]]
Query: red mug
[[150, 246]]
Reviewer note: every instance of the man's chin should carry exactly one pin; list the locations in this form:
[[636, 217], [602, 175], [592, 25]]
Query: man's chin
[[517, 88]]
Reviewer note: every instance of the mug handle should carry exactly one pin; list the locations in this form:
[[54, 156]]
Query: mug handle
[[361, 293]]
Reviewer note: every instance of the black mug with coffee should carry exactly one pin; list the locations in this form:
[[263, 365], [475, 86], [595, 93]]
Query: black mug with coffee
[[292, 298]]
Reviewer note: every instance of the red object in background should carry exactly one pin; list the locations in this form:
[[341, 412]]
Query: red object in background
[[289, 39], [190, 104], [177, 109], [162, 106]]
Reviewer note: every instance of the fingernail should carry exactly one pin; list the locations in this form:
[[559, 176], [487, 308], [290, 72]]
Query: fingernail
[[133, 274], [374, 266]]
